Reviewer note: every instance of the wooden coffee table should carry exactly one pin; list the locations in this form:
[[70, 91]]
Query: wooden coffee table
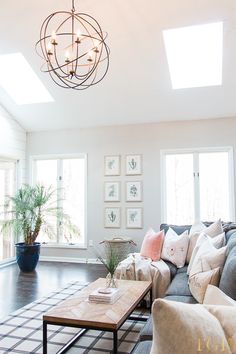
[[79, 312]]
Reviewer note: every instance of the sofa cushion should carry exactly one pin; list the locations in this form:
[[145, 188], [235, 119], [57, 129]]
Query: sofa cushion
[[142, 348], [183, 329], [179, 229], [180, 298], [179, 285], [182, 270], [228, 277], [146, 332], [230, 235], [173, 269]]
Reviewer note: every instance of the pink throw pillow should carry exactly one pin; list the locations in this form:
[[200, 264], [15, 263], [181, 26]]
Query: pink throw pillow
[[152, 244]]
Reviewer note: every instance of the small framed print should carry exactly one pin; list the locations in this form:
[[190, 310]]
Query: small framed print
[[134, 218], [112, 165], [134, 191], [112, 217], [112, 192], [133, 165]]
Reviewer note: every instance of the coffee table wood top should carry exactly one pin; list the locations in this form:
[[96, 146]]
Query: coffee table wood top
[[79, 311]]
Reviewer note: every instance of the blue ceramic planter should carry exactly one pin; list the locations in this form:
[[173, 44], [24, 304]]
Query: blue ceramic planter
[[27, 256]]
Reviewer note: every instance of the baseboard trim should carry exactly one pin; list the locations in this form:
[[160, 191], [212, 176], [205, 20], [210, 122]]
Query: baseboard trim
[[69, 260]]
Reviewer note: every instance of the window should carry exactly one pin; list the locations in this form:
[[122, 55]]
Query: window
[[195, 55], [68, 177], [7, 187], [22, 84], [198, 185]]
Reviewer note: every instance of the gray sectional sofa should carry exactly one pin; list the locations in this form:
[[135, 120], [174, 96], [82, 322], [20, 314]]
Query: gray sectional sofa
[[178, 289]]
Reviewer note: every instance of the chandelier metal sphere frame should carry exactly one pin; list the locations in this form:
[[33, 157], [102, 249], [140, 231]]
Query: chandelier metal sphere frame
[[73, 48]]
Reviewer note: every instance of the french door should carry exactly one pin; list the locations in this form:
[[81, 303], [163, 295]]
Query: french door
[[8, 170]]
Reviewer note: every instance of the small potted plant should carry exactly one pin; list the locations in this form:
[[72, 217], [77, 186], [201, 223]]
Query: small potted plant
[[110, 260], [30, 210]]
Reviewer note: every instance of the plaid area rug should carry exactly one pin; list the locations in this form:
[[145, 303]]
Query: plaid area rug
[[21, 332]]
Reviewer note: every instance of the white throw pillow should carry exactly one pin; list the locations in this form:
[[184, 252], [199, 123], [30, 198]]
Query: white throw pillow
[[215, 296], [206, 269], [199, 282], [180, 328], [175, 247], [208, 257], [194, 233], [218, 241]]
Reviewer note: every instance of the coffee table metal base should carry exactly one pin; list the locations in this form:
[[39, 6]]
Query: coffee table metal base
[[83, 329], [70, 344]]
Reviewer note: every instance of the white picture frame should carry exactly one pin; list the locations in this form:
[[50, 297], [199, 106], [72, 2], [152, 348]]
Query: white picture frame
[[112, 217], [134, 191], [112, 191], [112, 165], [133, 165], [134, 218]]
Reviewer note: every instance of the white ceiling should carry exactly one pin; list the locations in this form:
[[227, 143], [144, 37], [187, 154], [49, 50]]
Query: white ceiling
[[137, 88]]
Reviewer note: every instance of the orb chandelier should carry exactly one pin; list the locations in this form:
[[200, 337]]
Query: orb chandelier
[[73, 48]]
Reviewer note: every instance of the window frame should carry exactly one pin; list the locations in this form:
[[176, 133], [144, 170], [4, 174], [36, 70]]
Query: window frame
[[32, 174], [194, 152], [17, 162]]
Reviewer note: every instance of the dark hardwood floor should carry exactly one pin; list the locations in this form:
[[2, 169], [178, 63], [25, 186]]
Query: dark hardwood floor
[[19, 289]]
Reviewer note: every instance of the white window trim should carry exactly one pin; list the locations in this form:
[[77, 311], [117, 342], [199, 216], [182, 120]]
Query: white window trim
[[18, 168], [165, 152], [32, 160]]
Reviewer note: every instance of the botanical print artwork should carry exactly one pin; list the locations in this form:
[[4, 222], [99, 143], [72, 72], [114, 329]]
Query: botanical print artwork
[[133, 165], [112, 191], [134, 191], [134, 218], [112, 217], [112, 165]]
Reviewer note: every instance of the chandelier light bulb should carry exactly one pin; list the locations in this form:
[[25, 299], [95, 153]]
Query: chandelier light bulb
[[67, 57], [54, 38], [49, 48], [75, 53]]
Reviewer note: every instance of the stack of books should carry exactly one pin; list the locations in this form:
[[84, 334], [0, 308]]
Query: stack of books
[[105, 296]]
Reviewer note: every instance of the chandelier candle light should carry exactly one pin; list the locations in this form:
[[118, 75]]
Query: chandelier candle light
[[73, 48]]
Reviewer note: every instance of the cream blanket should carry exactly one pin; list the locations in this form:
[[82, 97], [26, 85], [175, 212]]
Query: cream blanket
[[135, 267]]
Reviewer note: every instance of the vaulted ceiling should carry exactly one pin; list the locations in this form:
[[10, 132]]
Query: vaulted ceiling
[[137, 88]]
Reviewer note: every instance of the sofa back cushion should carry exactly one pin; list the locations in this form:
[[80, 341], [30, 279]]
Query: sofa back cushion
[[228, 277], [183, 328]]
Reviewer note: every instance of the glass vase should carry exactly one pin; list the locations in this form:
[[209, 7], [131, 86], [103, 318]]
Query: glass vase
[[111, 281]]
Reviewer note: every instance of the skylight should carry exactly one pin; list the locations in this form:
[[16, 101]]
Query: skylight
[[20, 81], [194, 55]]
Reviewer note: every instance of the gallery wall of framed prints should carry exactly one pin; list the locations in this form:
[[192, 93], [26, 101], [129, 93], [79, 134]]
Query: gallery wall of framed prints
[[123, 191]]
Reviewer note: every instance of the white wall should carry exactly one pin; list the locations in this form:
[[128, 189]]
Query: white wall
[[147, 140], [13, 142]]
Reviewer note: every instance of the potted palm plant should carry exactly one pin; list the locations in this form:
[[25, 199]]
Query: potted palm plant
[[29, 212]]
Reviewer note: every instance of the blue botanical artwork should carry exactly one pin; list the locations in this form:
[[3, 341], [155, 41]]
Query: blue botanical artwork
[[134, 191], [112, 165], [112, 191], [134, 218], [112, 217], [133, 165]]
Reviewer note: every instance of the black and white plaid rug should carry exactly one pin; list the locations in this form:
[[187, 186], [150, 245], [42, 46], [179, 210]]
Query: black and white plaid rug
[[21, 331]]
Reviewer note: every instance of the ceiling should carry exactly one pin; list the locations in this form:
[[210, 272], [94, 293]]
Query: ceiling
[[137, 88]]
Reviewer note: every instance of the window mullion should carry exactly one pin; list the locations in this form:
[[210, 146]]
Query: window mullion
[[59, 196], [196, 186]]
